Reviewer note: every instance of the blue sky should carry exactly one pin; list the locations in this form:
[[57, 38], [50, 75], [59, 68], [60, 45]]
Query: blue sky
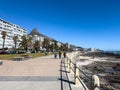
[[85, 23]]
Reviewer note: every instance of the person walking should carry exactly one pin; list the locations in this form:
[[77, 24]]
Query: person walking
[[55, 54], [64, 54], [59, 54]]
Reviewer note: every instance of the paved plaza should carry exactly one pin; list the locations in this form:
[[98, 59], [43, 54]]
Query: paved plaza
[[43, 73]]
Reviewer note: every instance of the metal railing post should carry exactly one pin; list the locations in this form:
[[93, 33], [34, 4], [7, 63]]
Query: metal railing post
[[91, 83], [74, 71]]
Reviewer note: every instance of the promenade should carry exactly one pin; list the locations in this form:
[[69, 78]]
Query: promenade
[[43, 73]]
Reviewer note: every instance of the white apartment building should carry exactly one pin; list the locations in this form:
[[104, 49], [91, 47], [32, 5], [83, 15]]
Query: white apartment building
[[36, 37], [39, 38], [12, 30]]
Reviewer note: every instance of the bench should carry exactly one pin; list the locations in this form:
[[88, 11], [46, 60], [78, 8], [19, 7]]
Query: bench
[[26, 56], [18, 58]]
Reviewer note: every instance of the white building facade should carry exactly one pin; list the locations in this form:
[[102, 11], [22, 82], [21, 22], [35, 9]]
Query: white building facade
[[12, 30], [38, 38]]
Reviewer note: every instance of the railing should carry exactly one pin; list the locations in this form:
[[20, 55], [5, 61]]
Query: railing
[[80, 77]]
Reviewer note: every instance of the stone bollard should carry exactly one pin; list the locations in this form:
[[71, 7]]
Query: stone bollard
[[70, 66], [77, 82], [75, 71], [96, 82], [66, 60]]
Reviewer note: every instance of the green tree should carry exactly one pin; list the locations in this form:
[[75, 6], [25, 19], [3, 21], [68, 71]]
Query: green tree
[[4, 34], [24, 42], [52, 47], [30, 45], [15, 39], [37, 45], [56, 46], [63, 47], [46, 43]]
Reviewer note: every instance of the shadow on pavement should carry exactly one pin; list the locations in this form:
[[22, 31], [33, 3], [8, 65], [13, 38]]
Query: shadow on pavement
[[65, 82]]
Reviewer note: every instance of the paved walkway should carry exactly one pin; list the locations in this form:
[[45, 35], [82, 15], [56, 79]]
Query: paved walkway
[[43, 73]]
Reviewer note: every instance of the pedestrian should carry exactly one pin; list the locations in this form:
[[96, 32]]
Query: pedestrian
[[59, 54], [64, 54], [55, 54]]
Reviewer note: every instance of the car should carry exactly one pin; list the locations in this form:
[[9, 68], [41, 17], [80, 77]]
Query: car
[[3, 52]]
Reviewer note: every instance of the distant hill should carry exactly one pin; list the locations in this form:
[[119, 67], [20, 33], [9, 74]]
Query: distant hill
[[35, 32]]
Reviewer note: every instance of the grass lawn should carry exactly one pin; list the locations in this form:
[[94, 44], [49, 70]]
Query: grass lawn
[[11, 56]]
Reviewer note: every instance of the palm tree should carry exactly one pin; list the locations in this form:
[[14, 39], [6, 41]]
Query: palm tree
[[4, 34], [65, 48], [56, 46], [24, 42], [15, 39], [30, 39], [52, 47], [30, 45], [61, 48], [46, 43], [37, 45]]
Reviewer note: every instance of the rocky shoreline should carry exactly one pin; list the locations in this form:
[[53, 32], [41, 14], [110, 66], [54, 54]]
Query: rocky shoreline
[[105, 65]]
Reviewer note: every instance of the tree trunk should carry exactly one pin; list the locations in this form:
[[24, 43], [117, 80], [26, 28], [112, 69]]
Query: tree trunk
[[3, 44], [15, 47]]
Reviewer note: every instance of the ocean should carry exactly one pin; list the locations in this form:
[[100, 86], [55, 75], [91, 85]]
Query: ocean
[[116, 52]]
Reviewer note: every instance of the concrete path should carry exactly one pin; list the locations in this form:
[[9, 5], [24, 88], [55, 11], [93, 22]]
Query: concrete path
[[43, 73]]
